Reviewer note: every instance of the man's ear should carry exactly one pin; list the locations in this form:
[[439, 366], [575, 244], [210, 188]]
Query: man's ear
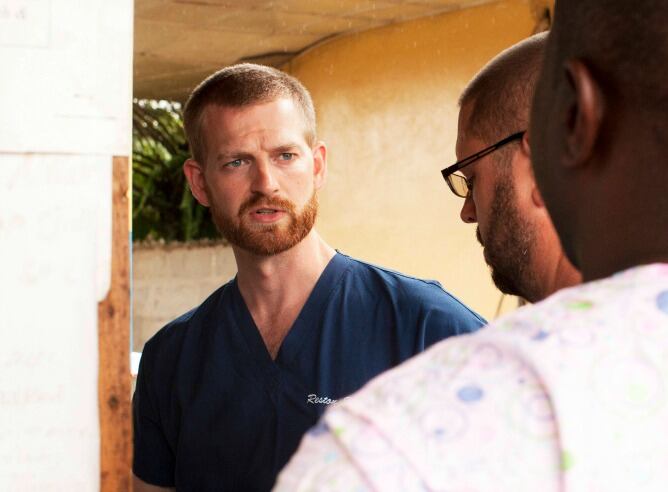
[[525, 149], [524, 143], [536, 197], [319, 164], [584, 113], [525, 155], [195, 176]]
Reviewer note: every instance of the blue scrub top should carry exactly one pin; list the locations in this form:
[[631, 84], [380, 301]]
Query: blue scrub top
[[213, 411]]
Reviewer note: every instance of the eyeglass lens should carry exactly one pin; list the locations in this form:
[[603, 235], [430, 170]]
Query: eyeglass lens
[[458, 185]]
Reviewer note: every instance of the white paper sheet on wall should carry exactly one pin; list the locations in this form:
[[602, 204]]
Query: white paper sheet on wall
[[49, 437], [67, 81], [65, 93]]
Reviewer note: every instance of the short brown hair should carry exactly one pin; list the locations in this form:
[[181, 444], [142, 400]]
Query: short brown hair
[[241, 85], [501, 93]]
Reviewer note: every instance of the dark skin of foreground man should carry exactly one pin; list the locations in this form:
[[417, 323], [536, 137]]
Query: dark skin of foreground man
[[568, 394]]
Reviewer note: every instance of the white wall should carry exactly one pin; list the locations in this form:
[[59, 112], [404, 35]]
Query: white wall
[[170, 280], [65, 95]]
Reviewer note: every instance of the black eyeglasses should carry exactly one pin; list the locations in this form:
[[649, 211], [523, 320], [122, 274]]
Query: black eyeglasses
[[457, 182]]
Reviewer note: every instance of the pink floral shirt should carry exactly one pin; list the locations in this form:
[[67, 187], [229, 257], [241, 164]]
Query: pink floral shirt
[[568, 394]]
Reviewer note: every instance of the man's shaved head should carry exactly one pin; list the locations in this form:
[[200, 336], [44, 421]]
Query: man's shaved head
[[498, 93], [625, 45]]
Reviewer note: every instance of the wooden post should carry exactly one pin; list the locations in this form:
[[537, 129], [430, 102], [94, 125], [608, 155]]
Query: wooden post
[[114, 380]]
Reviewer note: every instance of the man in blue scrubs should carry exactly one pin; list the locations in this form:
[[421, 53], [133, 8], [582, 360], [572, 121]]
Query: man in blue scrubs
[[226, 391]]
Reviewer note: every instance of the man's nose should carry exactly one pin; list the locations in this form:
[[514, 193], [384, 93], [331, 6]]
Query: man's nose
[[468, 213], [264, 179]]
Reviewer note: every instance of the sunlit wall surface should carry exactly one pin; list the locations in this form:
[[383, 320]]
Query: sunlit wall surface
[[387, 108]]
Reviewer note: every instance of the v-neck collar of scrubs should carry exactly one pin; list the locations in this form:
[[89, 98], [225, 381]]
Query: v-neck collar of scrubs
[[303, 328]]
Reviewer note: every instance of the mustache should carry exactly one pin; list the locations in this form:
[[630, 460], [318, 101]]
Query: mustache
[[478, 236], [267, 202]]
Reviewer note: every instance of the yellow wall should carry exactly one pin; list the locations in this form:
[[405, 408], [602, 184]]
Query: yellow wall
[[387, 108]]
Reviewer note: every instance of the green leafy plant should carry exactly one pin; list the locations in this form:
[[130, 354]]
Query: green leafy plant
[[163, 207]]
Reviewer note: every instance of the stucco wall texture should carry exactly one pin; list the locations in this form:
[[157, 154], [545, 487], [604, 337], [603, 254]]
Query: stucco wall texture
[[387, 106], [386, 102], [170, 280]]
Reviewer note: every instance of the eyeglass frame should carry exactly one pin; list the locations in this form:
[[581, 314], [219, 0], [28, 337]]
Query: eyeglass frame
[[477, 156]]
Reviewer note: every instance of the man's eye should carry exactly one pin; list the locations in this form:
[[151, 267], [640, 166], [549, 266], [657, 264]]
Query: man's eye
[[469, 184], [287, 156], [234, 163]]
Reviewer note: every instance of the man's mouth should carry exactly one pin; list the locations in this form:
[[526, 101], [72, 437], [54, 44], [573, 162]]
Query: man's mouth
[[267, 215]]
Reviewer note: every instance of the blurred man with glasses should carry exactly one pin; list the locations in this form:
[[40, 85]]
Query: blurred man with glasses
[[495, 179]]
